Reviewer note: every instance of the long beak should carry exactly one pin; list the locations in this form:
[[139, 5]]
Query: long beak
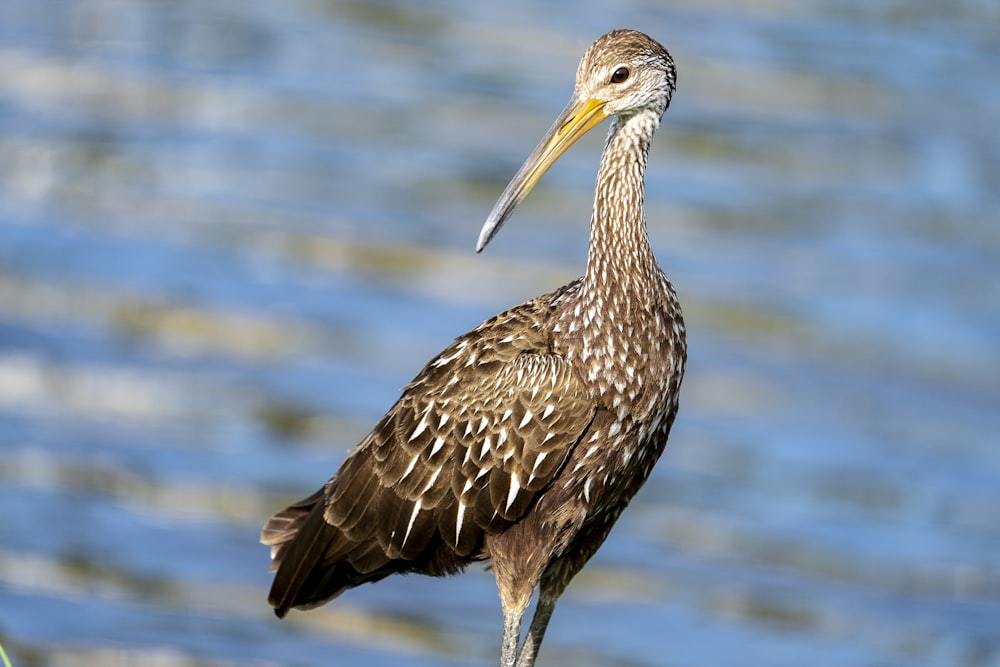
[[578, 118]]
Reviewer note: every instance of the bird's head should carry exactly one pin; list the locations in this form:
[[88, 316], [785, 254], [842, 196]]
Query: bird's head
[[623, 73]]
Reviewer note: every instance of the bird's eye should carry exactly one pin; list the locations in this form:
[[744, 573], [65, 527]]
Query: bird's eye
[[620, 75]]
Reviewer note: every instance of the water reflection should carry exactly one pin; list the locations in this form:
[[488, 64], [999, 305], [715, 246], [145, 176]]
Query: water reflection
[[229, 235]]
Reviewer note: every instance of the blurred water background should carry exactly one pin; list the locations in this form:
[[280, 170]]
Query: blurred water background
[[231, 231]]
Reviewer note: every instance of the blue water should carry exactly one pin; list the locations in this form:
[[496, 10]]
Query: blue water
[[230, 232]]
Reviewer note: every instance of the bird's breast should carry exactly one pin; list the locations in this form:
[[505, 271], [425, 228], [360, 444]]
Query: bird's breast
[[628, 351]]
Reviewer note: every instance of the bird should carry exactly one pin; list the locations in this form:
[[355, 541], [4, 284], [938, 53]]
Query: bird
[[522, 442]]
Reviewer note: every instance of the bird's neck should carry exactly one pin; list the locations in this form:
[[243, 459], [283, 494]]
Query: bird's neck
[[620, 255], [621, 328]]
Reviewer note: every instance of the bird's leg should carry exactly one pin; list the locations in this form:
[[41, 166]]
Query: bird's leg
[[517, 576], [511, 638], [533, 640], [554, 581]]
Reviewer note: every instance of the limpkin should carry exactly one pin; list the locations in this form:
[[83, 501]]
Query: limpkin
[[523, 441]]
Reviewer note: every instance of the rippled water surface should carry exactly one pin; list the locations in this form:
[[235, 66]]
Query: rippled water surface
[[230, 231]]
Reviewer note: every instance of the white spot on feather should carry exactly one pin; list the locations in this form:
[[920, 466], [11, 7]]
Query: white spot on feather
[[409, 469], [438, 444], [420, 428], [409, 526], [515, 486], [441, 361], [538, 461], [431, 481], [458, 521]]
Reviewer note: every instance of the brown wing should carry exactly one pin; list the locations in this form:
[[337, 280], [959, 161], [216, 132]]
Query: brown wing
[[473, 438], [483, 428]]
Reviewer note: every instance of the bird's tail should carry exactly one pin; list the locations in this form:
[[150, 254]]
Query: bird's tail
[[342, 536], [300, 538], [314, 561]]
